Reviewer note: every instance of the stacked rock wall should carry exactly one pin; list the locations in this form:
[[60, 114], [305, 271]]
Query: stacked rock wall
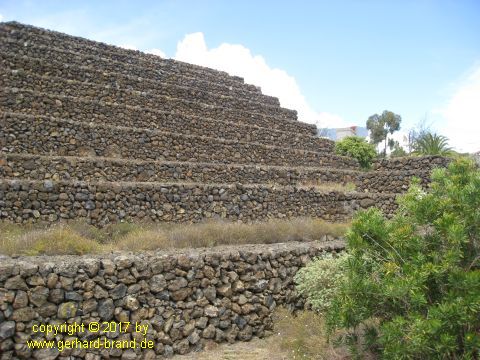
[[93, 110], [96, 131], [37, 167], [189, 104], [103, 202], [185, 102], [411, 163], [24, 100], [124, 69], [179, 302], [19, 33], [93, 131], [69, 137], [87, 73]]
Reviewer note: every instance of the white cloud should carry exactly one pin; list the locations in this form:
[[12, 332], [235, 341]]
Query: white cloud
[[157, 52], [462, 114], [128, 46], [1, 17], [238, 60]]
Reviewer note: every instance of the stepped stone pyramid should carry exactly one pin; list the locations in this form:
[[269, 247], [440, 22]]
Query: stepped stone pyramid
[[96, 131]]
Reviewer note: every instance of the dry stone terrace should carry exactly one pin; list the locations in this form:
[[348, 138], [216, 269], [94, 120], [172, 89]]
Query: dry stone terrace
[[213, 91], [224, 295], [92, 110], [78, 114], [93, 131], [39, 167], [24, 100], [76, 44]]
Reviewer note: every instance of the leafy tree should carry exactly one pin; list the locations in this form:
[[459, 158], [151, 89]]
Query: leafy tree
[[381, 125], [412, 283], [357, 148], [431, 144]]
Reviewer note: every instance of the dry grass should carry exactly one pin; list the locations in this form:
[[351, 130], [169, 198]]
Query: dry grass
[[78, 237], [303, 336], [327, 186], [319, 185], [54, 241], [143, 240]]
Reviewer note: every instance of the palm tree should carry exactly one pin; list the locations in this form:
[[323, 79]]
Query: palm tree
[[432, 144]]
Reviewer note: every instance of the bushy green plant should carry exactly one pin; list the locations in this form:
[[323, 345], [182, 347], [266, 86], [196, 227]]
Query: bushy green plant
[[412, 283], [318, 281], [357, 148]]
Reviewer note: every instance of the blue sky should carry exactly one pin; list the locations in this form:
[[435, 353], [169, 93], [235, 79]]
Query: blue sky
[[336, 62]]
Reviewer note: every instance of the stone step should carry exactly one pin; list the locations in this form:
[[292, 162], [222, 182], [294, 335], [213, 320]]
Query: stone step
[[31, 134], [29, 34], [420, 163], [153, 100], [66, 57], [19, 64], [90, 109], [37, 167], [102, 202], [130, 57]]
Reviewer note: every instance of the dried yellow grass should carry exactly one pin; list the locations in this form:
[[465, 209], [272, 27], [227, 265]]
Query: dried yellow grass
[[303, 336], [327, 186], [58, 240], [78, 237]]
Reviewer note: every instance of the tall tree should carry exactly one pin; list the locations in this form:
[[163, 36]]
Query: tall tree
[[382, 125]]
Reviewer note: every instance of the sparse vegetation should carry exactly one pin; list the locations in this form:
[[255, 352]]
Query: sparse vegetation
[[327, 186], [303, 336], [78, 237]]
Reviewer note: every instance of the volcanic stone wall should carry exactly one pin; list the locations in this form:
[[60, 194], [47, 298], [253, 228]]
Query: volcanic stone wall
[[411, 163], [90, 109], [122, 68], [182, 100], [69, 137], [20, 33], [181, 301], [87, 73], [189, 104], [36, 167], [103, 202], [95, 131]]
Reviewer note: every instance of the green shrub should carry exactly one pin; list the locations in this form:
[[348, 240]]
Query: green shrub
[[412, 283], [318, 281], [358, 148]]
